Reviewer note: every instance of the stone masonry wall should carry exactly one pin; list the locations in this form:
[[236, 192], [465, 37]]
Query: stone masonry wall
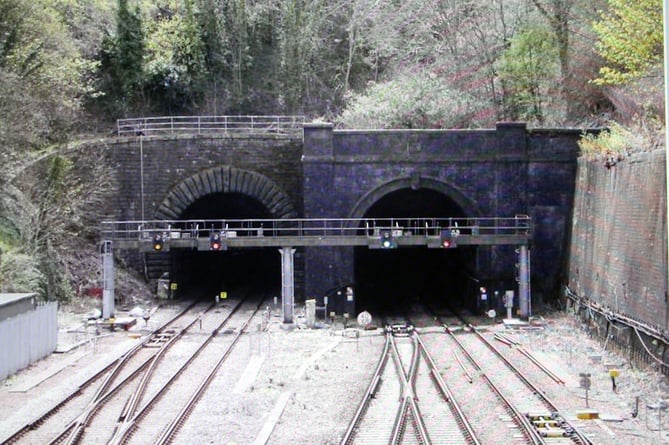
[[167, 161], [332, 173], [504, 171], [618, 254]]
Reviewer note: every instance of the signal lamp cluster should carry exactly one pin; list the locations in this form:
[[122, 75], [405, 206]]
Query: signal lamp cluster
[[387, 240], [448, 239], [158, 242], [215, 242]]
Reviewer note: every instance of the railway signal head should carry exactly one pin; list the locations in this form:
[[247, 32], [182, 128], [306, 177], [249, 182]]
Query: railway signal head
[[158, 242], [387, 241], [447, 239], [215, 242]]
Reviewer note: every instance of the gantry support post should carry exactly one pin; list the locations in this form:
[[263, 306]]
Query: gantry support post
[[524, 298], [287, 283], [107, 279]]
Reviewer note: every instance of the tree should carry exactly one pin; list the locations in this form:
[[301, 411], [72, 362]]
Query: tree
[[129, 50], [413, 100], [454, 44], [43, 77], [630, 40], [558, 13], [213, 48], [43, 81], [527, 69], [121, 73], [175, 59], [238, 27]]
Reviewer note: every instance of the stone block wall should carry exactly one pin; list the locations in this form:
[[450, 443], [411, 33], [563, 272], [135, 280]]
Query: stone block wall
[[618, 252], [502, 171], [495, 172], [167, 161]]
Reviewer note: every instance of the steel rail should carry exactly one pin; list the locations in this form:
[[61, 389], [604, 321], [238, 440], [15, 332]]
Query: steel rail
[[39, 419], [127, 427], [513, 343], [526, 428], [454, 406], [409, 405], [177, 422], [409, 395], [369, 394], [84, 419], [138, 394], [73, 430], [574, 433]]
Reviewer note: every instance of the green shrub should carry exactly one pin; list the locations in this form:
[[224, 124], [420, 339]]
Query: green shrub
[[618, 142], [416, 100], [20, 272]]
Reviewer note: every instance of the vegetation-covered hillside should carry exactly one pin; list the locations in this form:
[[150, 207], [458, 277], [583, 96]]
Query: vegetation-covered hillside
[[69, 68]]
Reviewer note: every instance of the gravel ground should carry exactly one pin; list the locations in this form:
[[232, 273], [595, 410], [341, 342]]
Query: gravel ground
[[301, 386], [564, 344]]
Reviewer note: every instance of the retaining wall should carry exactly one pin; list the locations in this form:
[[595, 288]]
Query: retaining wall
[[618, 251]]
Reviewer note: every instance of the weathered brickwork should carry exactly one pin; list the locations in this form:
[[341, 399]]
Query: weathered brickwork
[[188, 166], [500, 172], [618, 255]]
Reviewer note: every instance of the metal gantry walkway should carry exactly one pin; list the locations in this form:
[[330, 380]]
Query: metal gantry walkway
[[286, 234], [241, 233]]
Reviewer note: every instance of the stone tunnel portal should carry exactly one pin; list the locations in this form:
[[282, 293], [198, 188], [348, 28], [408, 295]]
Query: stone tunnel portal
[[206, 274], [389, 281], [225, 192]]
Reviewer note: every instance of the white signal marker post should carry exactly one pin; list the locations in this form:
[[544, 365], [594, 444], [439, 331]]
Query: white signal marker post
[[524, 282], [107, 280], [287, 283]]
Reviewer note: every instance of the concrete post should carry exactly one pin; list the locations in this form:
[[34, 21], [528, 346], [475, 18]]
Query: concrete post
[[508, 304], [287, 283], [310, 309], [107, 280], [524, 281]]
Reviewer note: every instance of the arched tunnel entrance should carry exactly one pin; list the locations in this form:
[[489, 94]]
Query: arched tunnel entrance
[[205, 274], [389, 281], [218, 193]]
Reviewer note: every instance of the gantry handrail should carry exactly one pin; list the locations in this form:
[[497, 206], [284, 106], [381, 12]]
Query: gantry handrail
[[260, 231], [230, 125]]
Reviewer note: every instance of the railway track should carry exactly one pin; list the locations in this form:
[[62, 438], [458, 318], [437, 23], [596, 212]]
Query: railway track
[[67, 408], [537, 418], [408, 402], [161, 417], [116, 411]]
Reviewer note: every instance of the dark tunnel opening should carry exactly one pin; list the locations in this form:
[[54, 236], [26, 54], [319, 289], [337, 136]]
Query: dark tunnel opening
[[203, 274], [390, 281]]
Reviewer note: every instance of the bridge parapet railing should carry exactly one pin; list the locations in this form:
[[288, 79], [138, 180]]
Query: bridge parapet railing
[[226, 125], [317, 227]]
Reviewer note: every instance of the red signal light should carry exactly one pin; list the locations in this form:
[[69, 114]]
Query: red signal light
[[448, 239], [215, 242]]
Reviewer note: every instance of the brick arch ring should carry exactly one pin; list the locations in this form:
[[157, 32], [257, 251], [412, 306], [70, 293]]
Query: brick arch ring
[[468, 207], [226, 179]]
